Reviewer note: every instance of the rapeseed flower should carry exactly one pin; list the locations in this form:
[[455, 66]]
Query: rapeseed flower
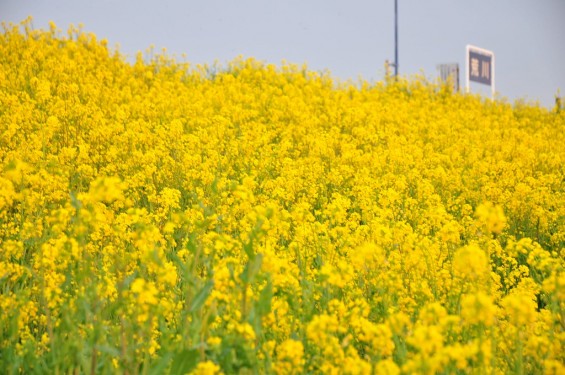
[[158, 216]]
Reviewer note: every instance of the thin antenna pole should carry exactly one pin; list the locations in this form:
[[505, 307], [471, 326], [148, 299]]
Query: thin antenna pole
[[395, 38]]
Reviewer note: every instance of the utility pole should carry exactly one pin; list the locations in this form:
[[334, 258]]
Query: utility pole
[[396, 38]]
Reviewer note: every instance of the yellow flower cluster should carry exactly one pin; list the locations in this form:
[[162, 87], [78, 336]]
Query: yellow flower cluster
[[159, 217]]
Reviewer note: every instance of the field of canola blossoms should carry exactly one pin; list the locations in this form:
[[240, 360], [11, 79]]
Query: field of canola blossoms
[[161, 218]]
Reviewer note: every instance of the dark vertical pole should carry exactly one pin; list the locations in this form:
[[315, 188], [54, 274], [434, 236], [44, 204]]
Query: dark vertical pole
[[395, 38]]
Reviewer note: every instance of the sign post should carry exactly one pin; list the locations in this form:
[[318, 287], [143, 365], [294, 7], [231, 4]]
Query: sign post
[[480, 67], [449, 73]]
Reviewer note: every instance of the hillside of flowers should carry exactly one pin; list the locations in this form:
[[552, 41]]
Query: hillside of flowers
[[158, 217]]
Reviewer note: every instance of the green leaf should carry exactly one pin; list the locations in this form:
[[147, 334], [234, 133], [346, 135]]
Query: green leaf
[[252, 268], [248, 248], [75, 203], [201, 296], [108, 350], [265, 298], [161, 365], [185, 361]]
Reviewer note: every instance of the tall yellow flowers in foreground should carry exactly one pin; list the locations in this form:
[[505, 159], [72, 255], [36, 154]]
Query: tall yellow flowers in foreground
[[157, 217]]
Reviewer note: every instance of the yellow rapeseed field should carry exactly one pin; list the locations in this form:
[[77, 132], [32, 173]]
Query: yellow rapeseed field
[[158, 217]]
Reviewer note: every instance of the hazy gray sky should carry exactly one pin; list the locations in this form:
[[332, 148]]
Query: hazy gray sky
[[351, 38]]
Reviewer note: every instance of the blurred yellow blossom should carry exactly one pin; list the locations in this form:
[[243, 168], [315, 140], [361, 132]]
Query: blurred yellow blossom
[[471, 262], [290, 357], [491, 217], [478, 308]]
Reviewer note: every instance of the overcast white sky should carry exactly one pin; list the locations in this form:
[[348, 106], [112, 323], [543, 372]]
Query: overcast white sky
[[351, 38]]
